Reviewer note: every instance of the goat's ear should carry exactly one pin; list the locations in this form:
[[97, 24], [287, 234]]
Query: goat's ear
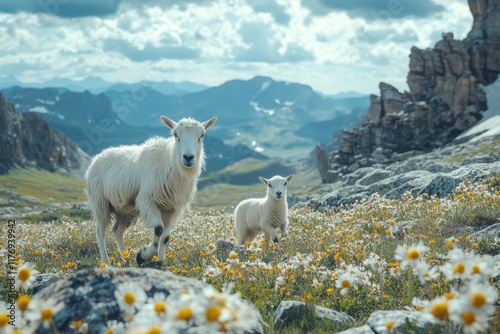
[[290, 177], [263, 180], [168, 122], [208, 124]]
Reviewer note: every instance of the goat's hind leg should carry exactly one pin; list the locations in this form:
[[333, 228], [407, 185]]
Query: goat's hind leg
[[102, 218], [122, 222]]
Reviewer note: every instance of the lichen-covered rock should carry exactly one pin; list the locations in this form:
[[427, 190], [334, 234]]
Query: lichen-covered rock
[[42, 281], [290, 310], [365, 329], [492, 231], [385, 322], [405, 178], [89, 295]]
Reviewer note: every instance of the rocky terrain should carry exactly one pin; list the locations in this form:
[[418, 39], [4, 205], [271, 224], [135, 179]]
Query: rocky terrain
[[26, 140], [445, 99], [434, 173]]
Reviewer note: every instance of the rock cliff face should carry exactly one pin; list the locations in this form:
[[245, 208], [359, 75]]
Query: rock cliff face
[[445, 98], [26, 140]]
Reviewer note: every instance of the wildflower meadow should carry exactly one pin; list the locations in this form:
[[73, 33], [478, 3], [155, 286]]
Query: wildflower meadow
[[412, 253]]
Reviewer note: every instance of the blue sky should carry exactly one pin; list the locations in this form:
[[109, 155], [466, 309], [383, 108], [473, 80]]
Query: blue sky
[[334, 46]]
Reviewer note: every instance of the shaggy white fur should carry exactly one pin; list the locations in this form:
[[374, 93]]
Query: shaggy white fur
[[155, 181], [256, 215]]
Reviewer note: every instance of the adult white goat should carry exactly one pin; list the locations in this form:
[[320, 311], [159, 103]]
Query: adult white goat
[[255, 215], [155, 181]]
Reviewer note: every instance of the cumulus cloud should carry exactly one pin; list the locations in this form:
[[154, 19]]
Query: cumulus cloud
[[373, 10], [271, 7], [263, 46], [316, 42], [150, 52]]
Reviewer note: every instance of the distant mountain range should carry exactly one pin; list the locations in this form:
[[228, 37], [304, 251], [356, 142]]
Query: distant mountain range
[[97, 85], [263, 113], [277, 119]]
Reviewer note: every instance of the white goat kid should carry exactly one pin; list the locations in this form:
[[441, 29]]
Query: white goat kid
[[256, 215], [155, 181]]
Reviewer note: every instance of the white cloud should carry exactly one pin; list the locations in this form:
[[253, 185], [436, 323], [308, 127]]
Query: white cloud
[[213, 41]]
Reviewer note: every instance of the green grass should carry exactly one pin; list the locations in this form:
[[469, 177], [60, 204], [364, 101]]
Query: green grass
[[44, 185]]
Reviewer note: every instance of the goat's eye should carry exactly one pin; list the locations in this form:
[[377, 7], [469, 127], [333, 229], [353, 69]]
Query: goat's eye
[[286, 183], [175, 135], [202, 135], [270, 185]]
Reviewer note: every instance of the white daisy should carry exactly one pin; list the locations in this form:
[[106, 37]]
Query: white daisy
[[211, 248], [471, 321], [418, 304], [130, 297], [483, 266], [346, 281], [25, 276], [425, 272], [212, 271], [458, 265], [411, 255], [480, 297], [115, 327], [439, 308], [4, 317], [42, 312]]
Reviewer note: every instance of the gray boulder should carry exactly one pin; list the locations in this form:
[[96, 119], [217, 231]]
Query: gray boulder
[[290, 310], [417, 182], [42, 281], [365, 329], [490, 231], [375, 175], [421, 323], [89, 295]]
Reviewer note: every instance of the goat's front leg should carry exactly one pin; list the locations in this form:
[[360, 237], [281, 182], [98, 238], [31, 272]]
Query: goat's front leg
[[284, 229], [169, 219], [270, 234], [153, 216]]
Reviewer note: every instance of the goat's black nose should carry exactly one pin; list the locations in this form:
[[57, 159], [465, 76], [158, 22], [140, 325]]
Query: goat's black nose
[[188, 158], [278, 193]]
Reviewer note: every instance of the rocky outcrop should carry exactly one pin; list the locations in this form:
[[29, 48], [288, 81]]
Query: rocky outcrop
[[483, 41], [445, 98], [289, 311], [26, 140], [437, 173]]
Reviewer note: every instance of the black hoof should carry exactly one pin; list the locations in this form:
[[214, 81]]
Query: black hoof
[[140, 260]]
